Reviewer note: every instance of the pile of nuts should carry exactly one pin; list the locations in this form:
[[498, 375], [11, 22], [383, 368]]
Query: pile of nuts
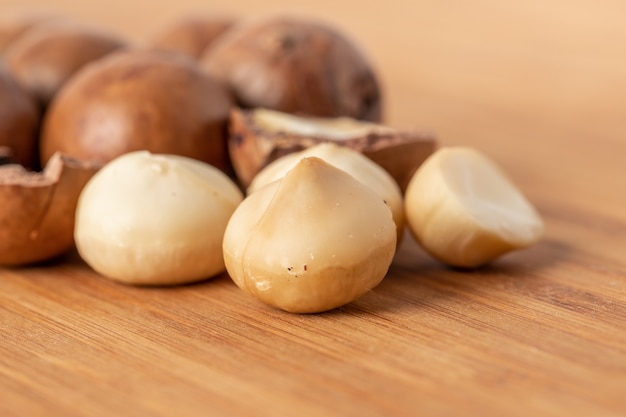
[[253, 147]]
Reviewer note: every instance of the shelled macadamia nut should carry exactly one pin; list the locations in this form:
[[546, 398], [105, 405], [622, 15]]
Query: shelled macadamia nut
[[349, 161], [313, 241], [464, 210], [155, 219]]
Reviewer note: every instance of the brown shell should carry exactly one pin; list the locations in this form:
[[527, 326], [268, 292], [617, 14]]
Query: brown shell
[[191, 35], [5, 155], [14, 25], [37, 210], [296, 65], [19, 121], [44, 58], [251, 148], [139, 100]]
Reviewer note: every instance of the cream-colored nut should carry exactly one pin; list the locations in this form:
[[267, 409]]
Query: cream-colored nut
[[155, 219], [464, 210], [354, 163], [311, 242]]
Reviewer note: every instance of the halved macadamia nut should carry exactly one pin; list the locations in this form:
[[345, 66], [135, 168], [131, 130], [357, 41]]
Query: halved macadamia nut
[[19, 121], [257, 137], [464, 210], [191, 35], [37, 209], [47, 56], [155, 219], [348, 160], [296, 65], [313, 241], [139, 100]]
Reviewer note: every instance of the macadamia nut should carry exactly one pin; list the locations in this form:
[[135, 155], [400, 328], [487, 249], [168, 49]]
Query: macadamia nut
[[155, 219], [354, 163], [313, 241], [465, 212]]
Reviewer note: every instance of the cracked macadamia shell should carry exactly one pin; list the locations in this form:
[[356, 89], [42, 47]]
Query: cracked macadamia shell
[[259, 136], [352, 162], [139, 100], [155, 219], [296, 65], [464, 210], [313, 241], [37, 209]]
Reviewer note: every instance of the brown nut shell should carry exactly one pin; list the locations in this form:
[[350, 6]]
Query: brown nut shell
[[258, 137], [37, 211], [19, 121], [44, 58], [5, 155], [191, 35], [14, 25], [296, 65], [139, 100]]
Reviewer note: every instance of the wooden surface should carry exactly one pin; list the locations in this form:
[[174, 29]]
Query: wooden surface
[[540, 87]]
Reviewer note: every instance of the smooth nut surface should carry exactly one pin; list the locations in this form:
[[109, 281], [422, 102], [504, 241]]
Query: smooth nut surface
[[296, 65], [19, 122], [352, 162], [37, 209], [313, 241], [155, 219], [139, 100], [191, 35], [14, 25], [47, 56], [464, 210]]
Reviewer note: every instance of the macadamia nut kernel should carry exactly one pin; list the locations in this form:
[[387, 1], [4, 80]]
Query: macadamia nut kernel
[[464, 210], [155, 219], [352, 162], [311, 242]]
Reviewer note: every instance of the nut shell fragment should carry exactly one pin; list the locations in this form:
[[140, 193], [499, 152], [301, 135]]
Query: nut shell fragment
[[257, 137], [38, 209]]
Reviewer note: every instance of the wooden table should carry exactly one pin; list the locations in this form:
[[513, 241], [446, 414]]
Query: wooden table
[[538, 86]]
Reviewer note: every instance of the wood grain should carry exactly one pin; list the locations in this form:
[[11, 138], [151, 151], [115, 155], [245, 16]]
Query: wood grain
[[540, 87]]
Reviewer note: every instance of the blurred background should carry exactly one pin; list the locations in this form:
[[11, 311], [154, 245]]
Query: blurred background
[[535, 78], [520, 53]]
